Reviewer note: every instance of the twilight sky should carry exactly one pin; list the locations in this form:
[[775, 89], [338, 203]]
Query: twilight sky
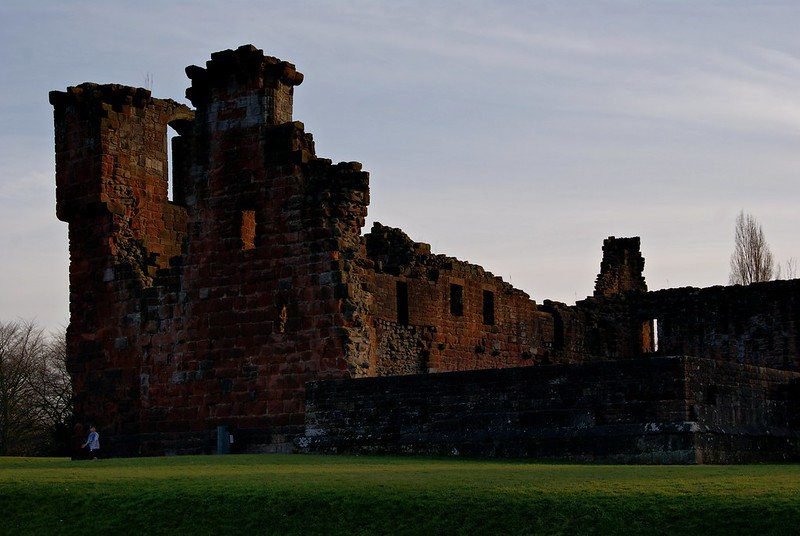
[[515, 137]]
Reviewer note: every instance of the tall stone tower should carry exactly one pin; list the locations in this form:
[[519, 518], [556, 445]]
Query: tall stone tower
[[215, 307], [111, 177]]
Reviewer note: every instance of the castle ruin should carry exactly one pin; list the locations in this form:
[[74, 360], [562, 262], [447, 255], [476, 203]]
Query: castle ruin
[[247, 297]]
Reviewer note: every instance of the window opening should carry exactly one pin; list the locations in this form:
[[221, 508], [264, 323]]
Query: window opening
[[456, 300], [488, 307], [655, 334], [402, 303], [650, 336], [170, 164], [283, 317], [248, 229]]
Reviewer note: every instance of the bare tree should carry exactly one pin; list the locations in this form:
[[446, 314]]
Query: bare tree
[[35, 391], [19, 344], [788, 270], [52, 386], [751, 261]]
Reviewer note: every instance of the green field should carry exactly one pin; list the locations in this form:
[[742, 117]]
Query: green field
[[276, 494]]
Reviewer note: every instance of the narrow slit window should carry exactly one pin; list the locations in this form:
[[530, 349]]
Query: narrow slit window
[[655, 334], [248, 229], [170, 164], [283, 317], [402, 303], [456, 300], [488, 307], [650, 336]]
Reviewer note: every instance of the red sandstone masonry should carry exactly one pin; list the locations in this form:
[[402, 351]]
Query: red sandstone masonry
[[658, 410], [216, 308], [519, 334], [194, 327], [112, 188], [255, 280]]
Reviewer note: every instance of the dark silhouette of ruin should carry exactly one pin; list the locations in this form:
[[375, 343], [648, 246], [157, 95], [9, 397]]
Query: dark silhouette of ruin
[[247, 297]]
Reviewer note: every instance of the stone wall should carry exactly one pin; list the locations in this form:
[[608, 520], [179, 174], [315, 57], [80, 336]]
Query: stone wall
[[218, 307], [757, 324], [746, 413], [655, 410], [621, 269], [474, 318], [402, 349], [111, 186], [215, 303]]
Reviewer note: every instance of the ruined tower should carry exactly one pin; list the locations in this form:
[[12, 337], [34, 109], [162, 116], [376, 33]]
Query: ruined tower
[[218, 306], [622, 268], [111, 176], [226, 301]]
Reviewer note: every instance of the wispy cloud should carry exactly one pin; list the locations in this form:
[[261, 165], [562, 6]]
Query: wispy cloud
[[513, 134]]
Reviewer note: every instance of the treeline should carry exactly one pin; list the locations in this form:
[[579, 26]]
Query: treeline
[[35, 391]]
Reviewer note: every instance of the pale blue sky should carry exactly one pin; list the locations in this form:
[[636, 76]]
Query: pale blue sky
[[517, 136]]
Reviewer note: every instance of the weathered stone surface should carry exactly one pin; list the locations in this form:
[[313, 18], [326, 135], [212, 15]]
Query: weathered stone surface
[[463, 338], [216, 306], [216, 297], [622, 268], [659, 410]]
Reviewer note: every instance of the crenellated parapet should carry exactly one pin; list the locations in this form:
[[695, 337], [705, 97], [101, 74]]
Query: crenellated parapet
[[243, 87], [111, 152], [112, 187]]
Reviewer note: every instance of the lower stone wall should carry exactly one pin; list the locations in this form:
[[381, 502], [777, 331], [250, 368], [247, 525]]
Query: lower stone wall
[[734, 405], [171, 443], [653, 410]]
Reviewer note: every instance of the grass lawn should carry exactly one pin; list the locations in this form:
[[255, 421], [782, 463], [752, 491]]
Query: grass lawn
[[276, 494]]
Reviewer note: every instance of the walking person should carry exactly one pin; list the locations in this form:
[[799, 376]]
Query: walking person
[[93, 442]]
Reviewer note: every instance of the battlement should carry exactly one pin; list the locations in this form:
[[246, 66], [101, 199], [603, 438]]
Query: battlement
[[246, 64], [90, 96], [250, 86], [93, 94], [109, 135]]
